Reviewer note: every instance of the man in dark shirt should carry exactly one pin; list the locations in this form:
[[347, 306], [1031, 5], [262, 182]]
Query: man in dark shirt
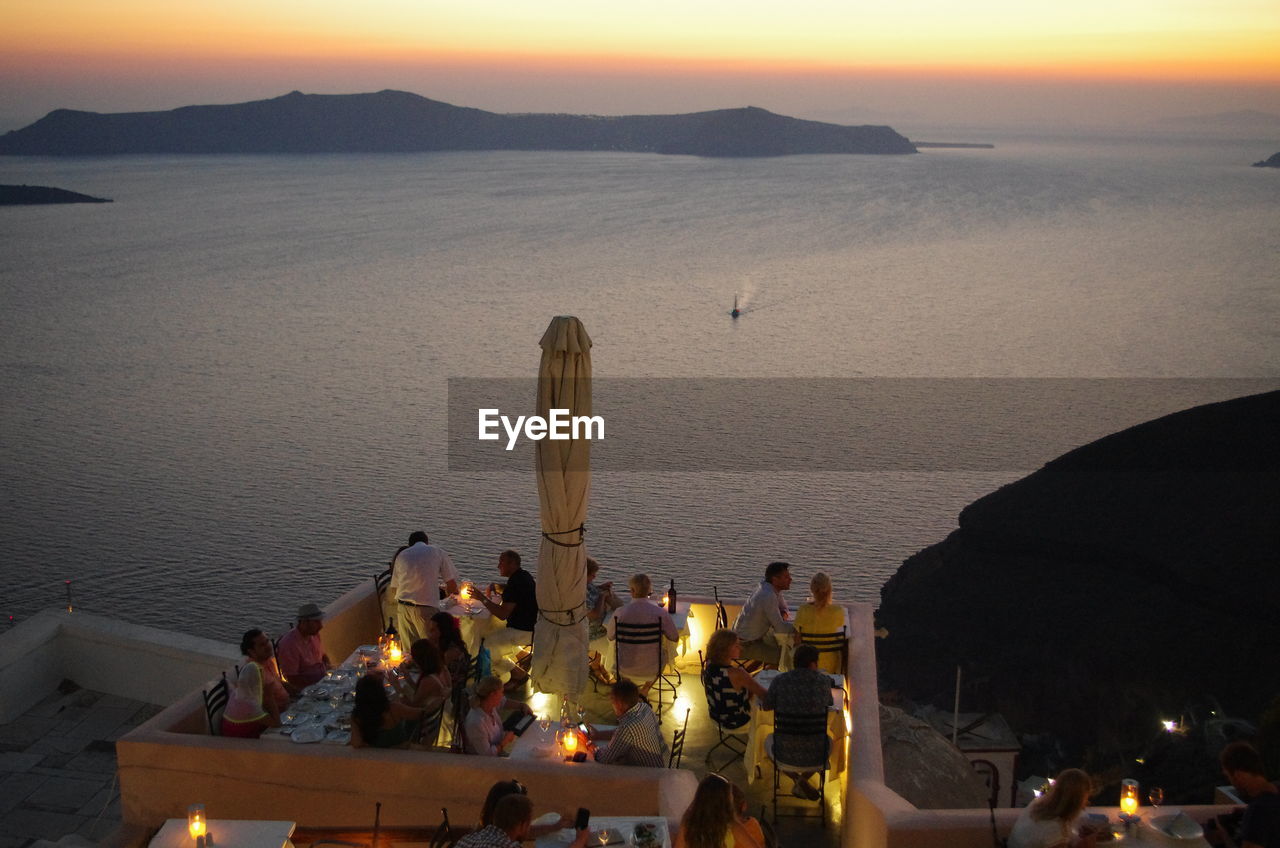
[[518, 607], [1260, 827], [800, 699]]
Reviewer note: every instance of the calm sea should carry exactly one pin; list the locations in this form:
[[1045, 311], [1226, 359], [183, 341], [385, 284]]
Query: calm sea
[[225, 393]]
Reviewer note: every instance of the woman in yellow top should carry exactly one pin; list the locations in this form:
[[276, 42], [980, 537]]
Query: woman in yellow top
[[821, 616], [712, 821]]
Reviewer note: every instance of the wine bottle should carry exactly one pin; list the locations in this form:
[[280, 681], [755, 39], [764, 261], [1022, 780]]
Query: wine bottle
[[391, 626], [671, 597]]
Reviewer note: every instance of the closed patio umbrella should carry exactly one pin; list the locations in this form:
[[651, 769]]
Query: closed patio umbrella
[[564, 487]]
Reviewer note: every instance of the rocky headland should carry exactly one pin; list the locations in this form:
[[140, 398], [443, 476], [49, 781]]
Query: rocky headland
[[1273, 162], [399, 122], [1131, 580], [25, 195]]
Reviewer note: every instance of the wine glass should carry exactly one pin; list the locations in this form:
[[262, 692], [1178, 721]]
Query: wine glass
[[603, 835], [544, 721], [1156, 796], [582, 714]]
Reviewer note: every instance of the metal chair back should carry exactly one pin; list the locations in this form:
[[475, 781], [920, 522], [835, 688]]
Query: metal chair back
[[677, 743], [645, 634], [215, 701]]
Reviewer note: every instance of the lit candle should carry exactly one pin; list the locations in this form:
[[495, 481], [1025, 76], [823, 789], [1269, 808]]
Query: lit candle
[[1129, 796], [665, 600], [465, 591], [394, 654], [570, 741], [196, 822]]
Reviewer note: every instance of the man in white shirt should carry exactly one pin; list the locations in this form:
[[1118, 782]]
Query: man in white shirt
[[640, 662], [416, 576], [765, 615]]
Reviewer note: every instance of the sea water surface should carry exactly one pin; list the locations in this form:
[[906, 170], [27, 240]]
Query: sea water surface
[[225, 392]]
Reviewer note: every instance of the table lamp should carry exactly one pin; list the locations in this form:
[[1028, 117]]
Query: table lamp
[[1129, 796], [196, 821]]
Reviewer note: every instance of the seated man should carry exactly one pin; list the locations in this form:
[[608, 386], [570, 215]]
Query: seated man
[[637, 741], [518, 607], [300, 655], [764, 616], [640, 662], [800, 699], [1260, 826], [512, 825]]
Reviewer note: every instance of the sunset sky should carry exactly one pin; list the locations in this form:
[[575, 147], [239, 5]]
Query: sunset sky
[[928, 61]]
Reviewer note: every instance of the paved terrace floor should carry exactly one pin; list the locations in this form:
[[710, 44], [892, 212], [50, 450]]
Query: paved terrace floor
[[57, 768]]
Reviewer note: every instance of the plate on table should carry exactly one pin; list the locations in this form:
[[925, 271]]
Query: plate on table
[[308, 733], [645, 835], [319, 691], [1177, 826], [338, 737], [297, 716]]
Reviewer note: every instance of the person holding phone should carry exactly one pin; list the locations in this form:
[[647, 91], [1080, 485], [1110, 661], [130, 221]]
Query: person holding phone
[[1259, 826]]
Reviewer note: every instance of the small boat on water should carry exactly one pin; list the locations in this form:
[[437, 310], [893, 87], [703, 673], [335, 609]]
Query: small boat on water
[[735, 313]]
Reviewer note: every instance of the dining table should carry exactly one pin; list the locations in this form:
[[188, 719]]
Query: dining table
[[474, 621], [227, 833], [322, 711], [616, 831], [1150, 829], [761, 725]]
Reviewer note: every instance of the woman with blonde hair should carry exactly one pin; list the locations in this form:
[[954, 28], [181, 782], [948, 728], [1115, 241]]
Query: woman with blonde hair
[[821, 616], [1052, 820], [712, 820]]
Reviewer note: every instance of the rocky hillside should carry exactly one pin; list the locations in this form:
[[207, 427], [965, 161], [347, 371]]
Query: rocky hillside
[[1130, 580], [395, 121]]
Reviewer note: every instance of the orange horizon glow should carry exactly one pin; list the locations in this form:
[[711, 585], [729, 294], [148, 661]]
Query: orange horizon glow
[[1232, 40]]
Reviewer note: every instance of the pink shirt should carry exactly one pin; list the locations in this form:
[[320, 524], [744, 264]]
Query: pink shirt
[[301, 658]]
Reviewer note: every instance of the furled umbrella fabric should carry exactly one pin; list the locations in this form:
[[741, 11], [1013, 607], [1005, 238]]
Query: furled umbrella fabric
[[564, 488]]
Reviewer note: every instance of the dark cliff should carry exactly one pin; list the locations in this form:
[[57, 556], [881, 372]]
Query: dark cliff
[[1130, 580], [1273, 162], [395, 121]]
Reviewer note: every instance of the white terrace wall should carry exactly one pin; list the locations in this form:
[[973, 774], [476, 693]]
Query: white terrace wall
[[105, 655]]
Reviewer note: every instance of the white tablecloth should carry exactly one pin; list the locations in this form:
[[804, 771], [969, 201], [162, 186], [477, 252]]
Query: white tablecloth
[[761, 725], [227, 833]]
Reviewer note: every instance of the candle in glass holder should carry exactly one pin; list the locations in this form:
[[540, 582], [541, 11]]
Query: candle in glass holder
[[394, 654], [570, 741], [196, 821], [1128, 796]]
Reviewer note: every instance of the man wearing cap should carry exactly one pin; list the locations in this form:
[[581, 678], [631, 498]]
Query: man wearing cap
[[416, 575], [300, 655]]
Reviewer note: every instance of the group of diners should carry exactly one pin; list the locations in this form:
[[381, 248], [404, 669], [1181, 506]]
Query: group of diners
[[1057, 818], [716, 818]]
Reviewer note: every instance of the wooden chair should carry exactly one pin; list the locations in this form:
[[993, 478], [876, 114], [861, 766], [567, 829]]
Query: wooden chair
[[215, 701], [677, 743]]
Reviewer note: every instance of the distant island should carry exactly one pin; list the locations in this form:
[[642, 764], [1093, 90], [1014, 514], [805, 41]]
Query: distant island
[[27, 195], [400, 122], [1273, 162]]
